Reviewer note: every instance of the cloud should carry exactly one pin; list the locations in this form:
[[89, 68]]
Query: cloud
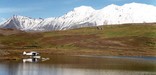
[[2, 20], [17, 10]]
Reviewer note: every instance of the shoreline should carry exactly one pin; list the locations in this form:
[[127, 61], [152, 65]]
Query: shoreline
[[18, 54]]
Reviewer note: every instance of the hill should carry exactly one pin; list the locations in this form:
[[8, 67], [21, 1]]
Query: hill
[[119, 40]]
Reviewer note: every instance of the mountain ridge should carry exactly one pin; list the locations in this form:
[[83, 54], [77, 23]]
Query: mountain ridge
[[86, 16]]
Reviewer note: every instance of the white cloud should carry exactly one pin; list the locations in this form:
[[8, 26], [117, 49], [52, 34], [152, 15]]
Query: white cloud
[[17, 10], [2, 20]]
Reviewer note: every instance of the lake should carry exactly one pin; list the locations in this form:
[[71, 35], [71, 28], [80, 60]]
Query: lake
[[82, 65]]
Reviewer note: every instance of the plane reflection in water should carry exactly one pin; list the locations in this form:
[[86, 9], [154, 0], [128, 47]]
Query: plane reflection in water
[[35, 59], [30, 60]]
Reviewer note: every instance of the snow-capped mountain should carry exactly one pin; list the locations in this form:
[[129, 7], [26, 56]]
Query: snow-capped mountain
[[85, 16], [21, 22]]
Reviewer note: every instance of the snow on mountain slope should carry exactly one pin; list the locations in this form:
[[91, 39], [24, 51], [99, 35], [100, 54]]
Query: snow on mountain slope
[[128, 13], [85, 16], [21, 22], [67, 21]]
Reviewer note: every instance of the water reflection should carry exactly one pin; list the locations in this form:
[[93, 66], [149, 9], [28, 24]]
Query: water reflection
[[4, 69], [30, 60], [41, 69], [35, 69], [80, 66]]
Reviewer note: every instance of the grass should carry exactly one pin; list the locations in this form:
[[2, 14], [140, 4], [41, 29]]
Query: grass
[[90, 35], [113, 37]]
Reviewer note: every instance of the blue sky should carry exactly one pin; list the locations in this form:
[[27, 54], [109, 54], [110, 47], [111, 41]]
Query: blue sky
[[54, 8]]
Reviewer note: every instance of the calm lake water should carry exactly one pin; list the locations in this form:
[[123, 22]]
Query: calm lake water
[[81, 65]]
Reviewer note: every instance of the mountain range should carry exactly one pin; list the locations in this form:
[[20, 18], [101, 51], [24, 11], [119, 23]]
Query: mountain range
[[86, 16]]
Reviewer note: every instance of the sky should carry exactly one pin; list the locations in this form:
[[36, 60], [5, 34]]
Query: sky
[[54, 8]]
